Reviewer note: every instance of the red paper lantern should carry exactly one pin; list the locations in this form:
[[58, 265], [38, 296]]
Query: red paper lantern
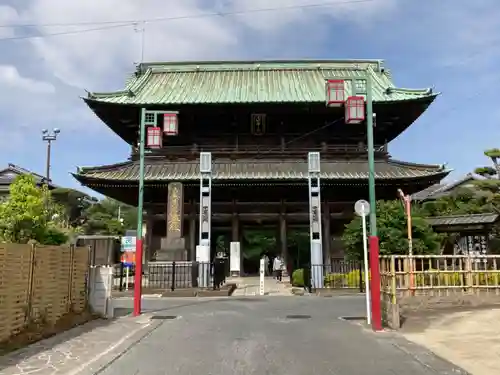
[[154, 137], [335, 93], [355, 110], [170, 124]]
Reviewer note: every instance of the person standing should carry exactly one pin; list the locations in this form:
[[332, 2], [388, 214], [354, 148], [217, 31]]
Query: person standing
[[266, 264], [278, 267]]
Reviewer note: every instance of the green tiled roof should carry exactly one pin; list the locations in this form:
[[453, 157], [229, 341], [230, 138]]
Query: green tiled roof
[[463, 219], [259, 170], [251, 82]]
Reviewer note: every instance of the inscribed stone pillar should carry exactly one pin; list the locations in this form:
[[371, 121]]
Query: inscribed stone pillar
[[173, 246]]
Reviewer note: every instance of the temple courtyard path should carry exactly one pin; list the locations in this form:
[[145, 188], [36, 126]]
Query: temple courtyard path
[[269, 335]]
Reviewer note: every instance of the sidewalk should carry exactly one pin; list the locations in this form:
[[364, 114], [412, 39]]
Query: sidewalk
[[79, 350], [249, 286], [469, 339]]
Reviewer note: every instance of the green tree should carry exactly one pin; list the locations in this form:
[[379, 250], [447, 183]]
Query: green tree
[[25, 214], [392, 232], [71, 204], [102, 218]]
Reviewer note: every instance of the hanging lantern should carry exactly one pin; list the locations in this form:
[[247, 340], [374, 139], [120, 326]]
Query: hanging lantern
[[355, 110], [335, 93], [154, 137], [170, 125]]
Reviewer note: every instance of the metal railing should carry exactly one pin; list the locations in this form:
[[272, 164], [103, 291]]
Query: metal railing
[[338, 274], [163, 276]]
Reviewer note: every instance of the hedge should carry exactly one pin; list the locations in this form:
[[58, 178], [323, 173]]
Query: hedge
[[444, 278]]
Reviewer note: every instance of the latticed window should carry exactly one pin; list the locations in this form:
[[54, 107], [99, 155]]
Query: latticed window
[[154, 137], [150, 118], [360, 86], [170, 124]]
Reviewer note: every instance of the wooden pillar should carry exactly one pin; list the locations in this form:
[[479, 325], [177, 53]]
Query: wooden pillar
[[235, 227], [326, 233], [283, 237]]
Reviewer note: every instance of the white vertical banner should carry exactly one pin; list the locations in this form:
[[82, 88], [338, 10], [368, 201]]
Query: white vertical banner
[[234, 259], [262, 271]]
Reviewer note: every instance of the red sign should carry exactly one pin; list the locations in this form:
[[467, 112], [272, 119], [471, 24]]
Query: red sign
[[128, 258]]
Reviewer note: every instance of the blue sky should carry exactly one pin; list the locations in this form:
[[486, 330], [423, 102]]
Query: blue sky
[[451, 45]]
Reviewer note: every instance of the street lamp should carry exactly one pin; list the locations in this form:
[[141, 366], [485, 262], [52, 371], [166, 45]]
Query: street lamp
[[356, 113], [49, 136], [148, 119]]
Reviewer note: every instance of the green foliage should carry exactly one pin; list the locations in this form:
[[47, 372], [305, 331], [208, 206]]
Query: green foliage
[[298, 277], [102, 218], [25, 214], [258, 242], [492, 153], [351, 279], [461, 202], [485, 171], [392, 232]]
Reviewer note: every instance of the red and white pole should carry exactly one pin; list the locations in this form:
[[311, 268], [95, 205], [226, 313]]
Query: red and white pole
[[138, 277], [375, 284]]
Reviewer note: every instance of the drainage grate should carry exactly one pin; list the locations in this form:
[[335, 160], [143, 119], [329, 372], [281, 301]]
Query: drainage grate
[[248, 299], [163, 317], [298, 316]]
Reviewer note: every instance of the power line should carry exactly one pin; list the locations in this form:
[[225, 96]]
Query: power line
[[192, 16], [67, 32]]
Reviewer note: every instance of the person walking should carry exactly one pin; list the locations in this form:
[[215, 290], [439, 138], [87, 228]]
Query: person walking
[[278, 267]]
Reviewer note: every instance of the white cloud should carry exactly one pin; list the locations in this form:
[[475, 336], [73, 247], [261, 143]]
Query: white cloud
[[11, 79], [297, 13], [8, 15], [89, 59]]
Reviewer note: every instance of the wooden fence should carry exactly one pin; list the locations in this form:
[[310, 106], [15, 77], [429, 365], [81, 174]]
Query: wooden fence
[[437, 278], [40, 283]]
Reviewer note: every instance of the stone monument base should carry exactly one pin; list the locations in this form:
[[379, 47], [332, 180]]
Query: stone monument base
[[172, 251]]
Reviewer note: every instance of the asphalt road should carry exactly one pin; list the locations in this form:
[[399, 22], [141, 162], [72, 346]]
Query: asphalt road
[[257, 336]]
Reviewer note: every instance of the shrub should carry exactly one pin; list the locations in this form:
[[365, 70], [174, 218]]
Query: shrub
[[298, 277], [455, 278], [344, 280]]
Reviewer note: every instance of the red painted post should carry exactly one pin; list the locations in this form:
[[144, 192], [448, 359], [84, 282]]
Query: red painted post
[[375, 284], [138, 278]]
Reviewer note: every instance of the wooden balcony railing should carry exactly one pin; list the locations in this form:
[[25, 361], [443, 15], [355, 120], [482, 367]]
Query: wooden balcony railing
[[257, 150]]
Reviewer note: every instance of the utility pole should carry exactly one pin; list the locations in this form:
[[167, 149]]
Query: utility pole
[[148, 118], [49, 136], [373, 239]]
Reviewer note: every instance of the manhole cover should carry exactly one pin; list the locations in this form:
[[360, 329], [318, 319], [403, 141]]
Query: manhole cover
[[164, 317], [298, 316], [349, 318]]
